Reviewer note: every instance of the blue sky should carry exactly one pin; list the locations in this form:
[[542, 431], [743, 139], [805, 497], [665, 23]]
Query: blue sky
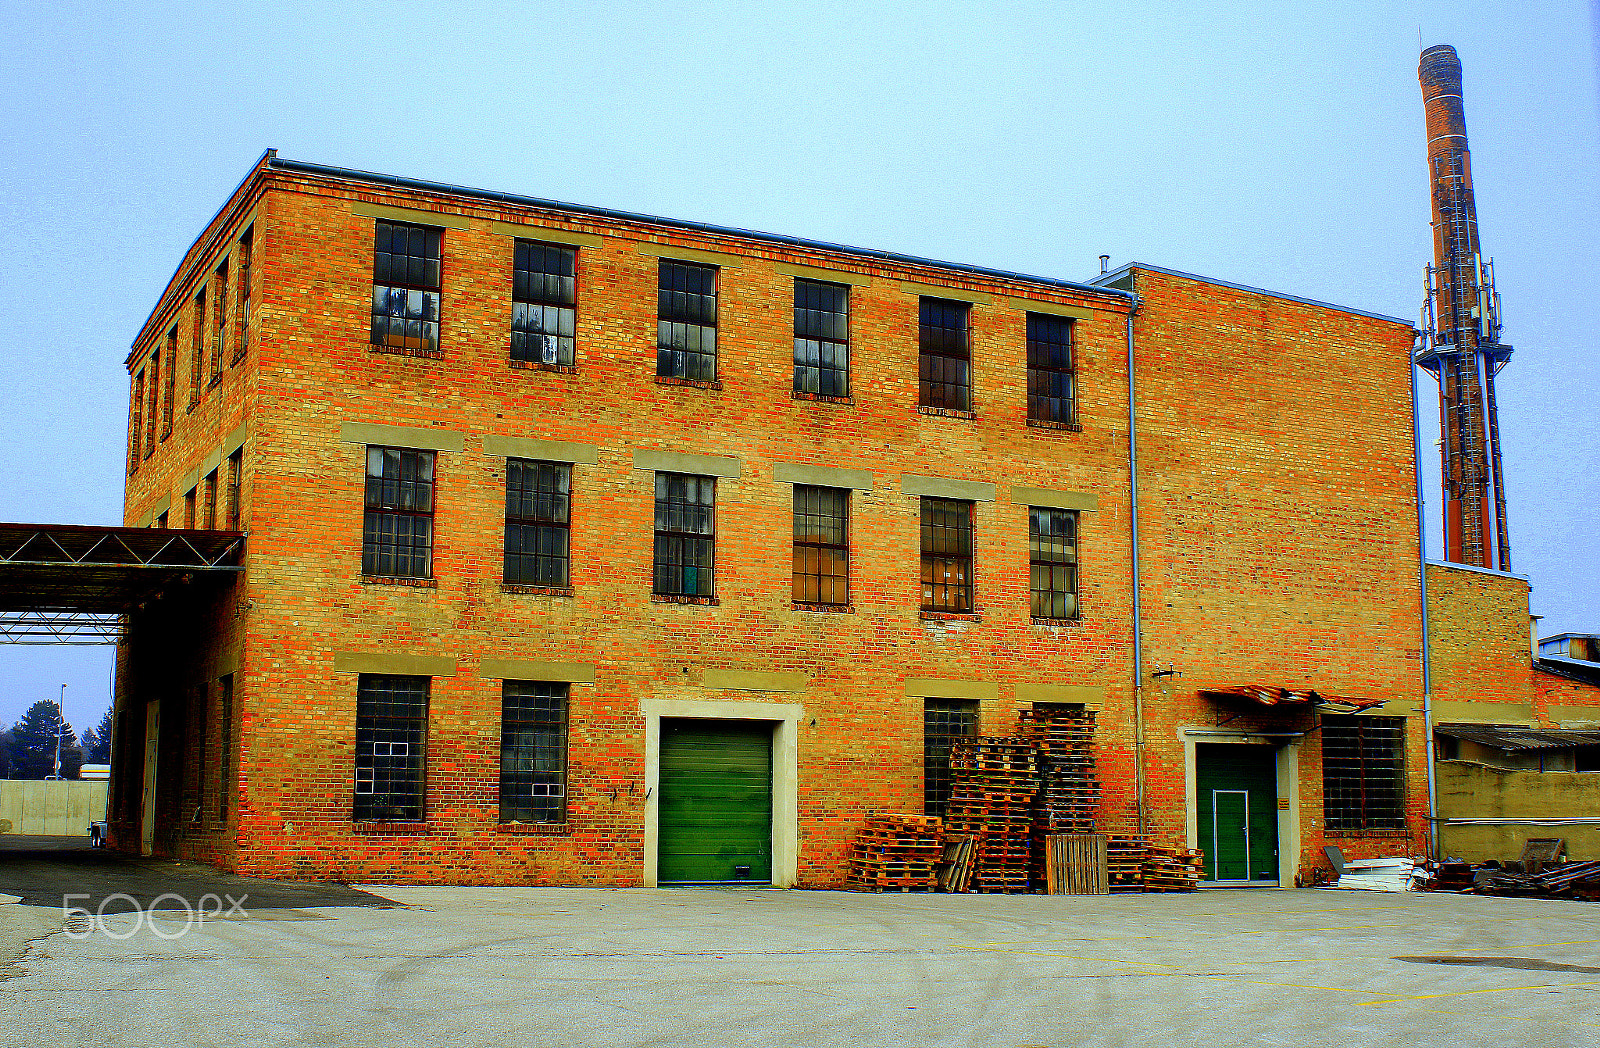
[[1275, 144]]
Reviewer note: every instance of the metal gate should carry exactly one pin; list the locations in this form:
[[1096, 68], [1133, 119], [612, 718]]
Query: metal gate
[[715, 814]]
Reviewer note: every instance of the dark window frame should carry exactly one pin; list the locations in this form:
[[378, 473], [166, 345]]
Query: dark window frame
[[1049, 562], [136, 423], [414, 303], [685, 564], [686, 321], [235, 489], [947, 525], [541, 299], [224, 745], [1052, 370], [171, 364], [821, 339], [154, 370], [393, 518], [944, 355], [939, 716], [197, 338], [241, 300], [542, 513], [219, 320], [191, 504], [1364, 774], [534, 713], [210, 503], [391, 756], [821, 542]]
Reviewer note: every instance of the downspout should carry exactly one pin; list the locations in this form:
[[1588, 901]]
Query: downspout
[[1133, 548], [1422, 587]]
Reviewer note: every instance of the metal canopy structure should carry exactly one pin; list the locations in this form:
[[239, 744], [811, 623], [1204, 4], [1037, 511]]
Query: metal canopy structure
[[68, 584], [1506, 737], [1273, 695]]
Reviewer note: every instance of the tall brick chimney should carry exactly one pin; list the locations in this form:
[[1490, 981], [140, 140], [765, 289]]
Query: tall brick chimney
[[1461, 330]]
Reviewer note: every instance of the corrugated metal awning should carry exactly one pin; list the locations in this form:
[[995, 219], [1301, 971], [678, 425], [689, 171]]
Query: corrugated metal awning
[[1511, 738], [1268, 695]]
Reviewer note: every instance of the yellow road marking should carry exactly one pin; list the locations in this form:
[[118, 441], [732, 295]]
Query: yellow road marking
[[1496, 989]]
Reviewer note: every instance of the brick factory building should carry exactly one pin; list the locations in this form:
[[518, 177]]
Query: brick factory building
[[594, 548]]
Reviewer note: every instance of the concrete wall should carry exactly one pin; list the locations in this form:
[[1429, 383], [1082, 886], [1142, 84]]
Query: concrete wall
[[51, 809], [1474, 791]]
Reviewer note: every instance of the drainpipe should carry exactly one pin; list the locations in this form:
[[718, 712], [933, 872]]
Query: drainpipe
[[1133, 546], [1422, 586]]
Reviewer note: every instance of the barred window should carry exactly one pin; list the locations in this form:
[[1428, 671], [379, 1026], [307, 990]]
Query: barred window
[[405, 287], [171, 364], [219, 319], [538, 522], [533, 752], [821, 338], [211, 501], [685, 535], [1052, 376], [544, 294], [686, 321], [1363, 773], [135, 422], [944, 378], [241, 304], [397, 539], [235, 477], [944, 721], [391, 746], [155, 405], [946, 555], [197, 345], [821, 545], [1053, 563]]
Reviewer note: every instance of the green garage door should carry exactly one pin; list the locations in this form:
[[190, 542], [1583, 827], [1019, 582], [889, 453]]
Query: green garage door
[[1236, 802], [715, 814]]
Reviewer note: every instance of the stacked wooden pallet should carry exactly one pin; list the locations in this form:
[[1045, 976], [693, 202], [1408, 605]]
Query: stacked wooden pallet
[[1125, 856], [896, 853], [1069, 793], [1075, 864], [1172, 869], [993, 780]]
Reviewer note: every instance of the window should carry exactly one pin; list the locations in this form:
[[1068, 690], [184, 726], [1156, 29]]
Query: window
[[219, 320], [944, 371], [538, 522], [189, 508], [241, 338], [225, 747], [161, 521], [1053, 563], [1363, 773], [155, 405], [235, 477], [821, 545], [135, 422], [544, 295], [405, 288], [200, 703], [943, 722], [821, 338], [171, 364], [685, 535], [397, 540], [197, 342], [211, 501], [1052, 384], [391, 746], [533, 752], [946, 555], [686, 322]]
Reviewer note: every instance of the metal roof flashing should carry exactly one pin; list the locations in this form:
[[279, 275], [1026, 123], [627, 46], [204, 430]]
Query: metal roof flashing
[[1117, 274]]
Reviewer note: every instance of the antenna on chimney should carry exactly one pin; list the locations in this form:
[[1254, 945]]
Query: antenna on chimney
[[1105, 264]]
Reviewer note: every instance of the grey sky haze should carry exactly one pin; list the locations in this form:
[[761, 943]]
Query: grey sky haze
[[1278, 145]]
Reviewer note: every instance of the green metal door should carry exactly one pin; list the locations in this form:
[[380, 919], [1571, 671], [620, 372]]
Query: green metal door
[[1236, 802], [714, 822]]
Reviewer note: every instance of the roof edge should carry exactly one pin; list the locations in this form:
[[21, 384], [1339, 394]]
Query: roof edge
[[1129, 267], [494, 196]]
